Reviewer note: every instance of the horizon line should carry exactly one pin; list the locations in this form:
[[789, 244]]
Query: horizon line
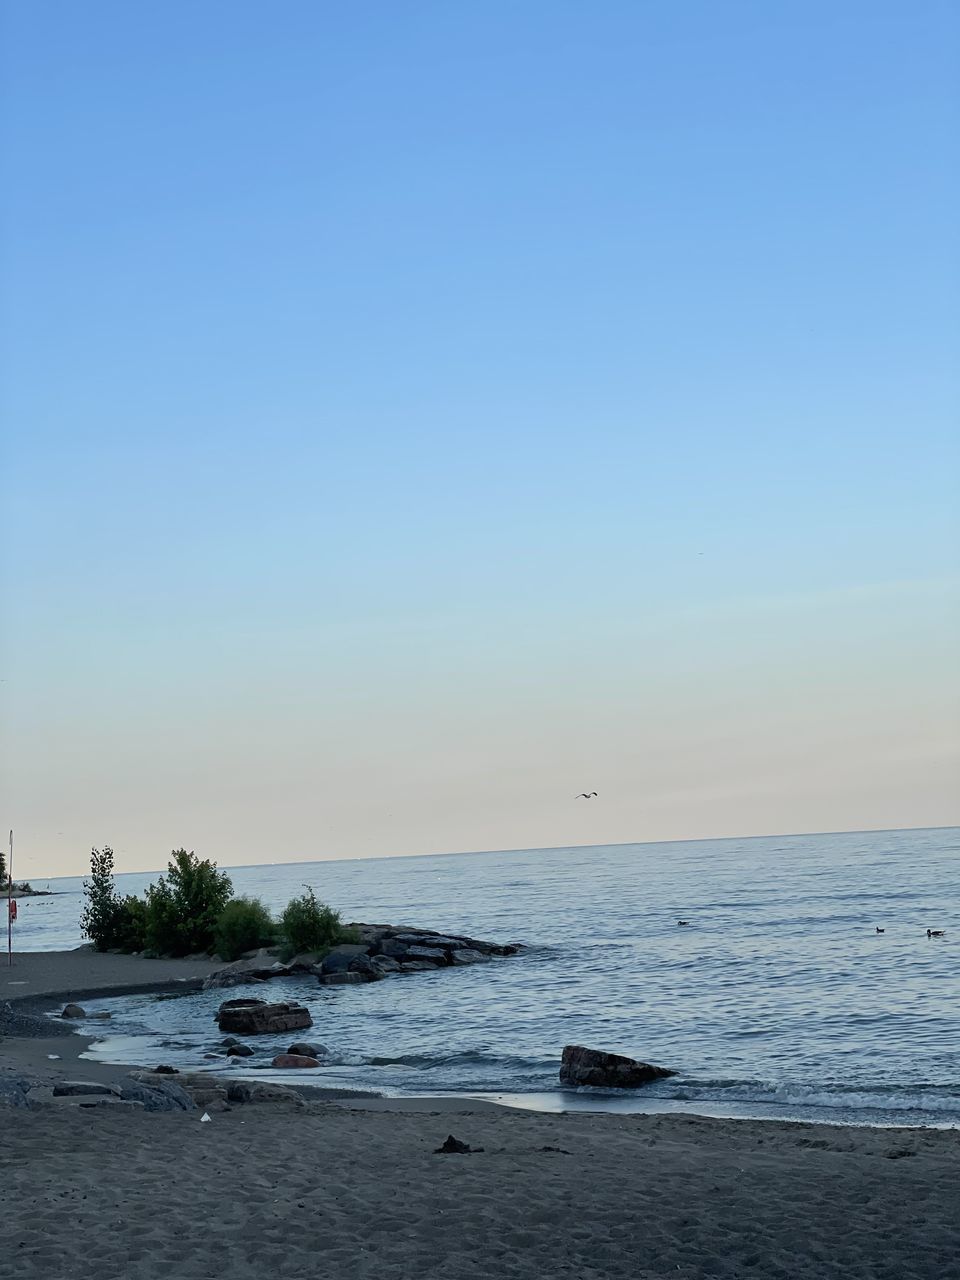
[[467, 853]]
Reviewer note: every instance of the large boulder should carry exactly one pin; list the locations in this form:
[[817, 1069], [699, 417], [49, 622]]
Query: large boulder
[[259, 966], [308, 1049], [392, 947], [160, 1096], [434, 954], [73, 1011], [581, 1066], [427, 939], [295, 1061], [84, 1088], [467, 955], [14, 1092], [385, 964], [256, 1017], [243, 1092], [340, 958]]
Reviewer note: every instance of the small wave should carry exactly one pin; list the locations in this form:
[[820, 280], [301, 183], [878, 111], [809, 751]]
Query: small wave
[[466, 1058], [931, 1099]]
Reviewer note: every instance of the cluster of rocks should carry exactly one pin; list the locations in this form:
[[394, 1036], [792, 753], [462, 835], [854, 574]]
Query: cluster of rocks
[[380, 950], [145, 1091]]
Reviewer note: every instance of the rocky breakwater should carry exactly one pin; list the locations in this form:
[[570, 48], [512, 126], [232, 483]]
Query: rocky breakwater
[[379, 950], [384, 949]]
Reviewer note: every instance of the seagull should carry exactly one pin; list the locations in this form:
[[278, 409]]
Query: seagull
[[935, 933], [585, 795], [879, 930], [683, 922]]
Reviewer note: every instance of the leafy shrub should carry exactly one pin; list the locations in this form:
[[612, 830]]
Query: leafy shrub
[[307, 924], [102, 919], [243, 925], [182, 909], [132, 924]]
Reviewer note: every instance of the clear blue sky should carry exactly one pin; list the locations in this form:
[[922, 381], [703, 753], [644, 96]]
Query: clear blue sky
[[418, 412]]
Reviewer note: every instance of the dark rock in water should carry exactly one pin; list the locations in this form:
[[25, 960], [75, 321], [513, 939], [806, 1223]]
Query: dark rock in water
[[392, 947], [386, 964], [296, 1061], [466, 955], [229, 1041], [416, 966], [339, 959], [102, 1016], [255, 1017], [454, 1147], [239, 1051], [245, 1092], [165, 1070], [73, 1011], [433, 954], [342, 979], [364, 965], [307, 1049], [582, 1066], [81, 1088], [427, 939]]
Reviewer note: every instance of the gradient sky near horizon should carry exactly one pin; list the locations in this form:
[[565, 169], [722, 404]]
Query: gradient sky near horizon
[[418, 413]]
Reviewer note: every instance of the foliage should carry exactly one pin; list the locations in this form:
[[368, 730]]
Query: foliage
[[132, 924], [182, 908], [307, 924], [243, 925], [102, 919]]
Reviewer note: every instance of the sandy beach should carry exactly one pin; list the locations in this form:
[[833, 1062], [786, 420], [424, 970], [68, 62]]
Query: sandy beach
[[359, 1193], [353, 1187]]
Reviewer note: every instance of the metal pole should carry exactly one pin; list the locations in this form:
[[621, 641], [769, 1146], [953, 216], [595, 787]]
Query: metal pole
[[10, 905]]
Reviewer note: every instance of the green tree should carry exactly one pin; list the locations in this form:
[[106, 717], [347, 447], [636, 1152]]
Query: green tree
[[307, 924], [182, 908], [101, 918]]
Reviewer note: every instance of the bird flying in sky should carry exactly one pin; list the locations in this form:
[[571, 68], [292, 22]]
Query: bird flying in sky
[[585, 795]]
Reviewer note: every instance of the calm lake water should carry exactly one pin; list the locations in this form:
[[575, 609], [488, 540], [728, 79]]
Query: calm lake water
[[780, 999]]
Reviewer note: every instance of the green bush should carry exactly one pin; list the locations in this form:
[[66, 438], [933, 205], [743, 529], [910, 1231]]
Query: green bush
[[102, 919], [132, 924], [182, 909], [243, 925], [307, 924]]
